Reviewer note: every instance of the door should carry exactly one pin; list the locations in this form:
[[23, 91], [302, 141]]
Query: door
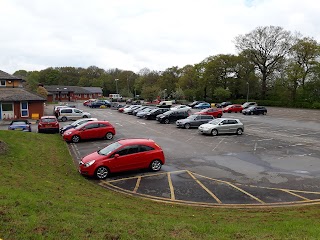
[[76, 114], [128, 159], [7, 111], [90, 131]]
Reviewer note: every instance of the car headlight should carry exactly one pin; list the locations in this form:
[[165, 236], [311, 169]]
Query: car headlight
[[68, 133], [88, 164]]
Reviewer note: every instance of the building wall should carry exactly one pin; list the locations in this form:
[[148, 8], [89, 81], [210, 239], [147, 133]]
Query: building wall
[[36, 109], [73, 97]]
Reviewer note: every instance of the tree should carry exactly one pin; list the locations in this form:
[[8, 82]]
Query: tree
[[221, 93], [266, 47], [42, 91]]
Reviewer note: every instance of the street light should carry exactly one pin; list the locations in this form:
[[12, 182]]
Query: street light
[[248, 92], [117, 84], [164, 94]]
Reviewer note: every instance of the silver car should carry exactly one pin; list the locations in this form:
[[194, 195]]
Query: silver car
[[222, 126]]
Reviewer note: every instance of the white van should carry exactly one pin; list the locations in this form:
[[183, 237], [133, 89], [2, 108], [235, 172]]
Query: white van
[[72, 114], [165, 104]]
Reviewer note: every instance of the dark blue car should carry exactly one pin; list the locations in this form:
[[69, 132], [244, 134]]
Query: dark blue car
[[21, 125]]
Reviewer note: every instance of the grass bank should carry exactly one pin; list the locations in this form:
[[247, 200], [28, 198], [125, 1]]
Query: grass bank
[[43, 197]]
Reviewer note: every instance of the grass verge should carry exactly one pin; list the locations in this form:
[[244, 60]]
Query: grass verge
[[42, 196]]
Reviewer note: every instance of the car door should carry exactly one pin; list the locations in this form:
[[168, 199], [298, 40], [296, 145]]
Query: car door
[[128, 159], [232, 126], [90, 130], [102, 130], [76, 114], [223, 126]]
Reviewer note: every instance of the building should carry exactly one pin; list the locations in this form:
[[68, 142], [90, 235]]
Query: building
[[16, 102], [57, 93]]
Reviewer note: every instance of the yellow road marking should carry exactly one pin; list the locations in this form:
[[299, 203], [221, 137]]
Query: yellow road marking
[[147, 175], [294, 194], [204, 187], [281, 189], [230, 184], [171, 187], [137, 185]]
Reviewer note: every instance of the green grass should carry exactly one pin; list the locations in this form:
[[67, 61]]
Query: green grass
[[42, 196]]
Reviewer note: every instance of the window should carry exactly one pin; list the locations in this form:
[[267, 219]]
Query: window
[[92, 125], [102, 125], [66, 110], [90, 95], [2, 83], [144, 148], [24, 109], [232, 122], [85, 95]]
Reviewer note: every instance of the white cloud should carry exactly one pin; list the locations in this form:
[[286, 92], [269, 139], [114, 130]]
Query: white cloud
[[132, 35]]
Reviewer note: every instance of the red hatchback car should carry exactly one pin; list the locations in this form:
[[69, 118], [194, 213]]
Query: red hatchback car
[[123, 155], [233, 108], [215, 112], [48, 124], [90, 130]]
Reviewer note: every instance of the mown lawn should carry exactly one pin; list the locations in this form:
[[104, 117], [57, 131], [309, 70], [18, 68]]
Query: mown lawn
[[42, 196]]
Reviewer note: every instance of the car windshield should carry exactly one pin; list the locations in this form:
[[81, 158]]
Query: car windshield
[[167, 113], [19, 123], [252, 107], [215, 121], [110, 148], [78, 122], [192, 117]]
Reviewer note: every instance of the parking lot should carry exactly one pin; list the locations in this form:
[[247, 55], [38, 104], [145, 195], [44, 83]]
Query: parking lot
[[274, 163]]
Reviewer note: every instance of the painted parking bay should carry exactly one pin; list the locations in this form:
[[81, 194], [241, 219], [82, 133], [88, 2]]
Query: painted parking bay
[[186, 187]]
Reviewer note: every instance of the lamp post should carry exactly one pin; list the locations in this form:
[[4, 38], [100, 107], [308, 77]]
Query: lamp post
[[164, 94], [248, 92], [117, 84]]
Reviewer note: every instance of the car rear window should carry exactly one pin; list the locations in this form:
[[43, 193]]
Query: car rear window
[[19, 123], [48, 120]]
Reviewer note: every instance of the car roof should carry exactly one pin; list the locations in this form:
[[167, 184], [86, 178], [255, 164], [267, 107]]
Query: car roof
[[228, 119], [47, 117], [135, 141]]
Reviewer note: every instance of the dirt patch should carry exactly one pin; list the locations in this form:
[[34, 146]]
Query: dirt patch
[[3, 147]]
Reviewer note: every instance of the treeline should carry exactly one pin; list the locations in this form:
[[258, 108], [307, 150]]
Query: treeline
[[273, 67]]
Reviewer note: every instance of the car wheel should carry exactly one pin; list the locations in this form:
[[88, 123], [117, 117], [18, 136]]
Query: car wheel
[[264, 113], [187, 126], [251, 113], [229, 111], [219, 116], [102, 172], [166, 121], [155, 165], [85, 116], [63, 119], [109, 136], [214, 132], [239, 131], [75, 139]]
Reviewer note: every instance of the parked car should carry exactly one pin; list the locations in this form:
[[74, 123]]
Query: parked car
[[120, 109], [145, 111], [100, 103], [249, 104], [180, 107], [130, 109], [21, 125], [215, 112], [255, 110], [72, 114], [172, 116], [135, 111], [76, 124], [223, 104], [193, 121], [123, 155], [90, 130], [88, 102], [48, 124], [202, 105], [155, 112], [165, 104], [222, 126], [233, 108], [194, 103]]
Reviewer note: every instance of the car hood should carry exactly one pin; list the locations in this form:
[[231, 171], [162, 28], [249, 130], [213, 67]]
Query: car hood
[[207, 125], [183, 120], [93, 156]]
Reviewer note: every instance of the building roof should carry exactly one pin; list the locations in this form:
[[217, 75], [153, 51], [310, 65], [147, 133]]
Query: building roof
[[75, 89], [7, 76], [93, 89], [18, 94]]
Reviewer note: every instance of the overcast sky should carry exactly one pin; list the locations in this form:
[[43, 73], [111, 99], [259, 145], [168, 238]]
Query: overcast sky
[[136, 34]]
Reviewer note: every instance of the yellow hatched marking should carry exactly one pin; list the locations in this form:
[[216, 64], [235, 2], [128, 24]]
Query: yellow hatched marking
[[230, 184], [294, 194], [204, 187], [171, 187], [147, 175], [137, 185]]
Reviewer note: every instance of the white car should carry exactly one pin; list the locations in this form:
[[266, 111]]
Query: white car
[[72, 114], [180, 107], [222, 126]]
